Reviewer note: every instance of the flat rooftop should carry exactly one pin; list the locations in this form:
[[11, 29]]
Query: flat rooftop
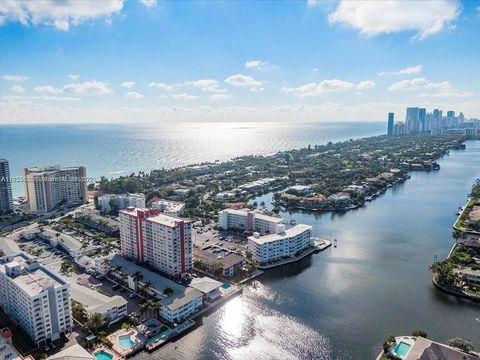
[[93, 301], [33, 281], [294, 231]]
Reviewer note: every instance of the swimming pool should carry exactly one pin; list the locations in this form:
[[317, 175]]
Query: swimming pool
[[160, 336], [125, 342], [226, 286], [103, 355], [401, 349]]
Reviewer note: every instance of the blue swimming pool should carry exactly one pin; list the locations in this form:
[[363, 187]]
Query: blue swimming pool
[[103, 355], [402, 349], [226, 286], [158, 337], [125, 342]]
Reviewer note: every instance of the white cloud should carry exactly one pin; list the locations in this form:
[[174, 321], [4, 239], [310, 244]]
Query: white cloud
[[256, 89], [219, 97], [74, 76], [41, 97], [315, 69], [206, 85], [366, 84], [127, 84], [243, 81], [405, 71], [15, 78], [371, 17], [184, 96], [162, 86], [17, 110], [133, 95], [49, 89], [437, 89], [323, 86], [418, 83], [149, 3], [59, 14], [18, 89], [88, 88]]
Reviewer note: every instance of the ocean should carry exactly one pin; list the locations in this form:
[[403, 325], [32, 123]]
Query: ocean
[[115, 150]]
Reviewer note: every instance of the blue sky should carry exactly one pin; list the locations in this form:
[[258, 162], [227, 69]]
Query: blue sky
[[153, 61]]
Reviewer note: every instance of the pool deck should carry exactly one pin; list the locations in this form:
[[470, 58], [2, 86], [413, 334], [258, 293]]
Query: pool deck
[[313, 249], [138, 339]]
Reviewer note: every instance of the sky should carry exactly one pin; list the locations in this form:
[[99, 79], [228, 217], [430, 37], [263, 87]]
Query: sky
[[112, 61]]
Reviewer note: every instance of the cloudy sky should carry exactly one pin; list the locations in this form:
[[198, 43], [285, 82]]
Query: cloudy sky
[[68, 61]]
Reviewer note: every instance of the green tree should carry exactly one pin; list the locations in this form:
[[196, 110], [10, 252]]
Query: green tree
[[462, 344], [420, 333]]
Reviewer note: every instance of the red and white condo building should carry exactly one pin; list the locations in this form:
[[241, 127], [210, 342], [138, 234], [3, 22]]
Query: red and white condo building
[[164, 242]]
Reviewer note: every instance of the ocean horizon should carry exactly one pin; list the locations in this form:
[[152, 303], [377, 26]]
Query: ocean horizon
[[113, 150]]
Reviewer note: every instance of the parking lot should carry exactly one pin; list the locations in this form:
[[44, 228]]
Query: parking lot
[[47, 254], [225, 239]]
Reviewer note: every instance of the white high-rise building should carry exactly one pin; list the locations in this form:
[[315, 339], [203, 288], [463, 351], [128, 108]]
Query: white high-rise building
[[6, 199], [283, 243], [248, 220], [35, 297], [47, 187], [164, 242], [120, 201]]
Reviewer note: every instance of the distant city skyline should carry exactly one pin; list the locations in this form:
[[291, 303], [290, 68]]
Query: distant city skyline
[[155, 61]]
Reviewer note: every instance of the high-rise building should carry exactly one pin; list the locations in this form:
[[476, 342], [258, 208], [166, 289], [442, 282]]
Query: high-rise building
[[6, 199], [390, 125], [161, 241], [47, 187], [451, 118], [412, 120], [437, 119], [461, 118], [35, 297], [283, 243], [422, 114]]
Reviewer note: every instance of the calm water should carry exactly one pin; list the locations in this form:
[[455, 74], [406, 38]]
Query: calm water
[[344, 302], [114, 150]]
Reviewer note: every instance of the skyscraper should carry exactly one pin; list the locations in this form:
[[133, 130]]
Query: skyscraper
[[451, 118], [437, 119], [422, 112], [390, 124], [411, 120], [6, 199]]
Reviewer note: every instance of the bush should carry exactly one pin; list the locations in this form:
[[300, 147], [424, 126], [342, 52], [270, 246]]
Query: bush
[[462, 344], [420, 333]]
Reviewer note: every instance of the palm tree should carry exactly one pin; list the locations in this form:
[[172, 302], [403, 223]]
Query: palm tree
[[143, 308], [95, 323], [154, 307], [147, 285], [137, 276], [168, 290]]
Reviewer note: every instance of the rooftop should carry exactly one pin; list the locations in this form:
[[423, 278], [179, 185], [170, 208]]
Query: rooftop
[[93, 301], [205, 284], [8, 246], [294, 231], [32, 280]]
